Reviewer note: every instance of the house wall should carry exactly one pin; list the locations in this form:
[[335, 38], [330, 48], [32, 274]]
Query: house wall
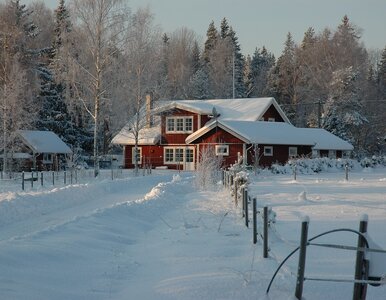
[[218, 136], [177, 138], [272, 113], [280, 154], [151, 154]]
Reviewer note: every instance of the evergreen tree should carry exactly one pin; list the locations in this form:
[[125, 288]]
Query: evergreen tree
[[343, 111], [54, 115], [382, 75], [238, 65], [212, 37], [248, 77], [196, 58], [199, 85], [224, 28], [283, 80], [261, 64]]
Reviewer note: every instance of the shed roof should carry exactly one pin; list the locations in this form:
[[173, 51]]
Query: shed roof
[[43, 142]]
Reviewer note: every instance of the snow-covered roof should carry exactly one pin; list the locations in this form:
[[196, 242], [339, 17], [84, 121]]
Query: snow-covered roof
[[18, 155], [276, 133], [43, 142], [246, 109], [146, 136]]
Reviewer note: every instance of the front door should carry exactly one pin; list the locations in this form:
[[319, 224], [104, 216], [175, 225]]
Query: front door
[[189, 159]]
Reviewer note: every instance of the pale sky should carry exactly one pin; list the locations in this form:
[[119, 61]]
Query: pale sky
[[266, 22]]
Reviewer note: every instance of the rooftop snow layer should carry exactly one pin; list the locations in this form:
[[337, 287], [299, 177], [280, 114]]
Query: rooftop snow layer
[[44, 141]]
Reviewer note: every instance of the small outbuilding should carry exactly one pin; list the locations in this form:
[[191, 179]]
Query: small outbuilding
[[46, 150]]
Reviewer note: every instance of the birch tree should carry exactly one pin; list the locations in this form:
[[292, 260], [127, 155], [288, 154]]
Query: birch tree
[[143, 50], [100, 24], [17, 74]]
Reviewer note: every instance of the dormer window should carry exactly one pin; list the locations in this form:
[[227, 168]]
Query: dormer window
[[271, 120], [179, 124]]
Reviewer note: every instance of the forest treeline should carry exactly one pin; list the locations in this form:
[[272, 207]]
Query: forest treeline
[[83, 69]]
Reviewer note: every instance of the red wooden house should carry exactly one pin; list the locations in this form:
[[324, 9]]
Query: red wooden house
[[235, 129]]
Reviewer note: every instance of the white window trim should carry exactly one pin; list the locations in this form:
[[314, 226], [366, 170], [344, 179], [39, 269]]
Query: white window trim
[[271, 120], [140, 155], [331, 153], [221, 153], [174, 161], [294, 149], [48, 158], [271, 150], [175, 124]]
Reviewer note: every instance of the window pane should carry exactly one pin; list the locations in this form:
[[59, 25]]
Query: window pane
[[188, 124], [292, 151], [180, 124], [169, 155], [268, 151], [222, 150], [189, 155], [179, 154], [170, 125]]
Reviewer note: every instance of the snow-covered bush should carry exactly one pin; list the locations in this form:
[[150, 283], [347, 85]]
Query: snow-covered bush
[[208, 168], [325, 164]]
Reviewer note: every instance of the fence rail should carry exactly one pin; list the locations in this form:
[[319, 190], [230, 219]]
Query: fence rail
[[362, 276]]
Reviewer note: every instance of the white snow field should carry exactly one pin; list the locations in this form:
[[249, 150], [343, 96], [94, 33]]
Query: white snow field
[[158, 237]]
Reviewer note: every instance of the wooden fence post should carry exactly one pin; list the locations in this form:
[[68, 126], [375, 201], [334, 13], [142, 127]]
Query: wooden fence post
[[22, 180], [346, 171], [254, 221], [302, 259], [265, 248], [236, 192], [64, 177], [41, 178], [360, 289], [32, 179], [53, 177], [246, 207]]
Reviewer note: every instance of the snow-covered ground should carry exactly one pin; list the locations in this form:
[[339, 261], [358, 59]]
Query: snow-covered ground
[[158, 237]]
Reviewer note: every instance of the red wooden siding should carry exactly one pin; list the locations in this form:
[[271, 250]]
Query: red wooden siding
[[219, 136], [280, 154], [272, 113], [177, 138], [151, 154]]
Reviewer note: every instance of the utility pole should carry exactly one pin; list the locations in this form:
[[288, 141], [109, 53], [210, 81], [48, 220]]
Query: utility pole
[[233, 74], [319, 114]]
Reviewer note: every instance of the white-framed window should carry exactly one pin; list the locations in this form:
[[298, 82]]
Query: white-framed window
[[179, 124], [222, 150], [189, 155], [271, 120], [137, 155], [47, 158], [173, 155], [315, 153], [331, 154], [292, 151], [268, 150], [169, 124]]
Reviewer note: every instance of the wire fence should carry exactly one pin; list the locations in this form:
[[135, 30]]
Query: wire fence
[[26, 181]]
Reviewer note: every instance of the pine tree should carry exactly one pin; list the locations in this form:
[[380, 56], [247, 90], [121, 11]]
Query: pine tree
[[283, 81], [382, 75], [224, 28], [211, 41], [238, 64], [261, 64], [343, 110]]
